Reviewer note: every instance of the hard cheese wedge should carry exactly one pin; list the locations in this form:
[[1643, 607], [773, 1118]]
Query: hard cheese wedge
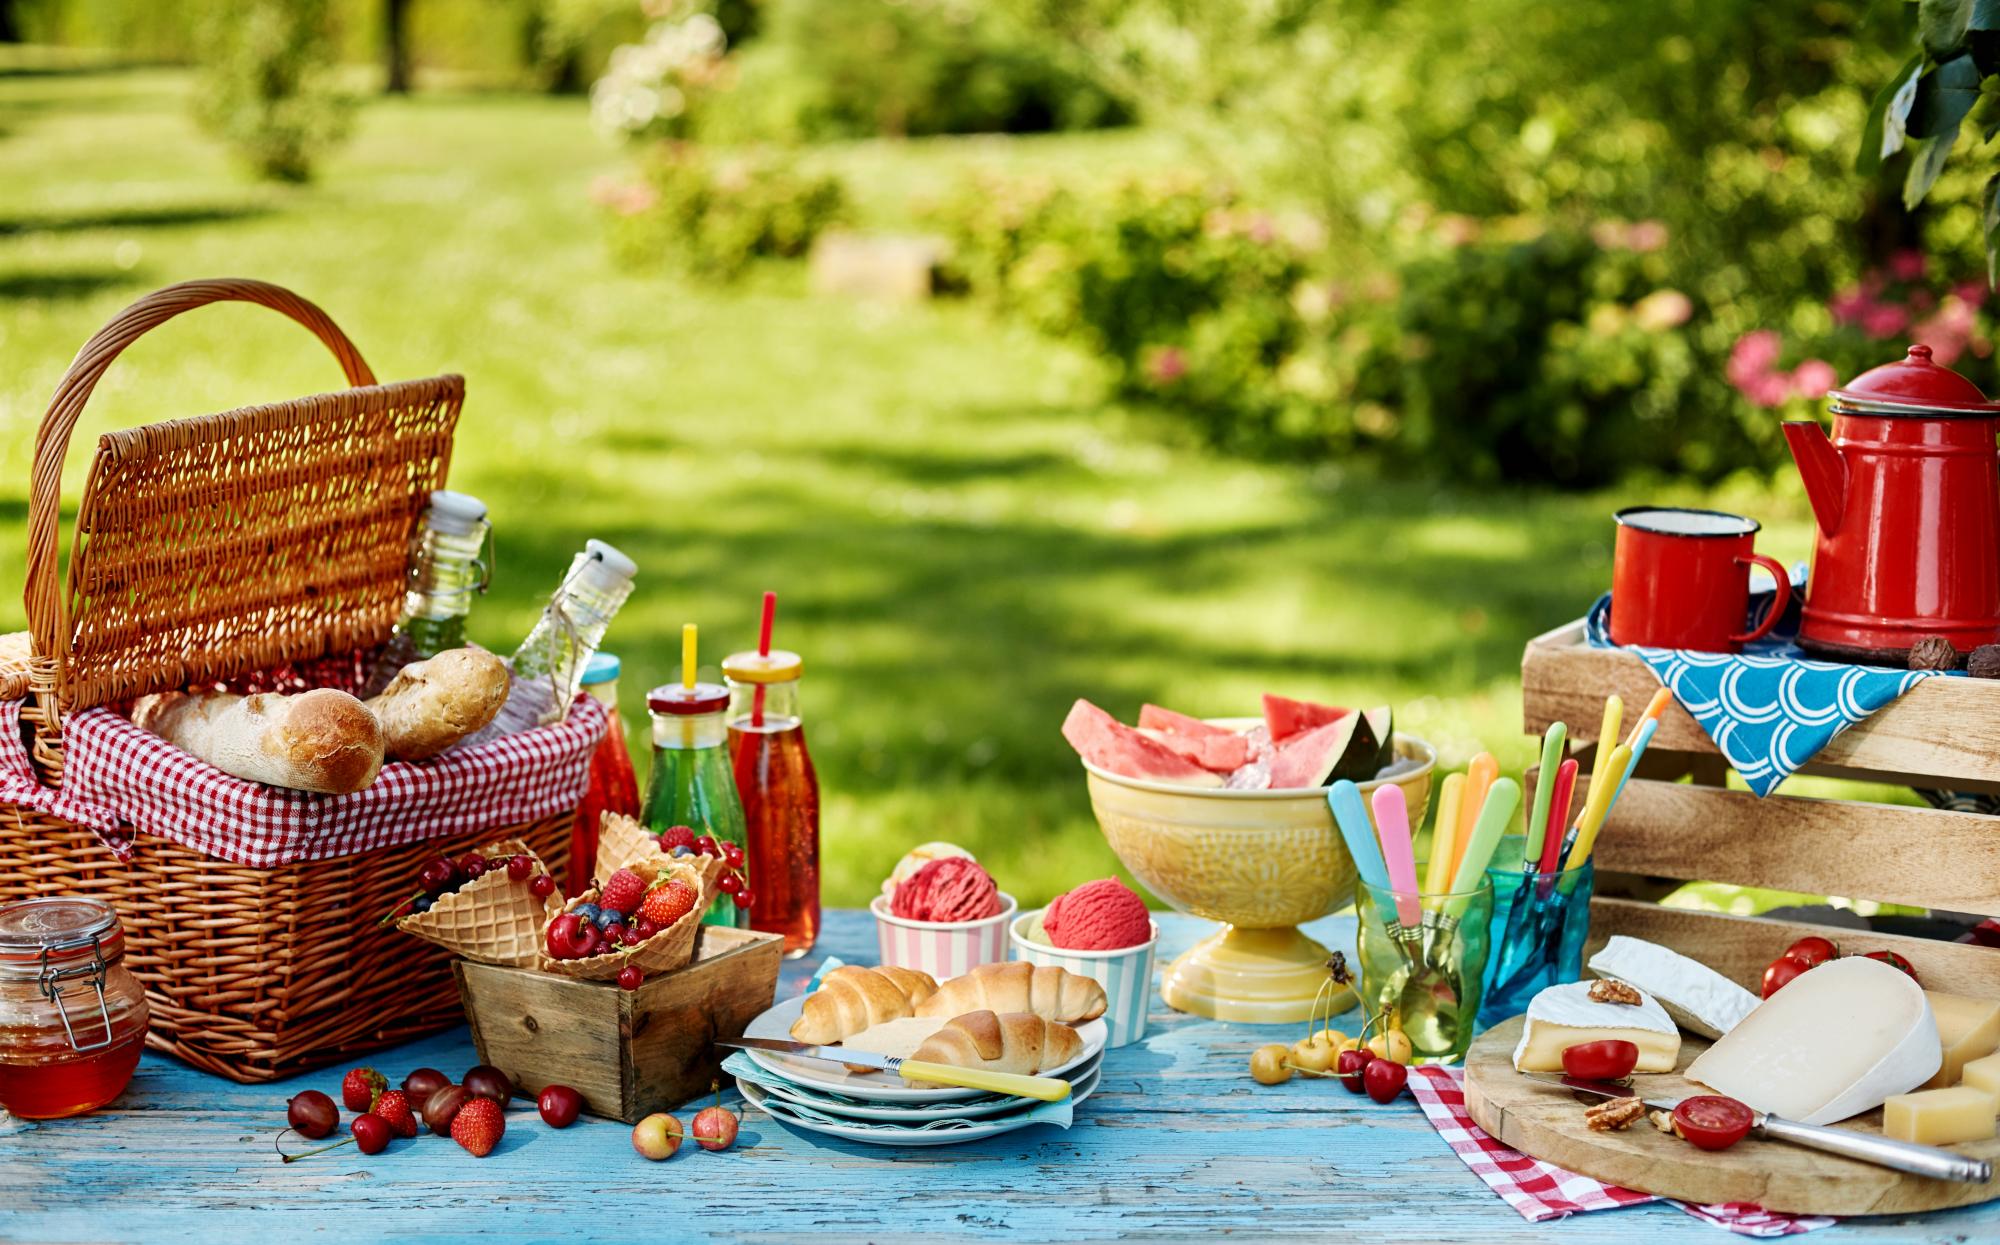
[[1563, 1016], [1940, 1117], [1837, 1041], [1699, 999], [1967, 1029], [1983, 1074]]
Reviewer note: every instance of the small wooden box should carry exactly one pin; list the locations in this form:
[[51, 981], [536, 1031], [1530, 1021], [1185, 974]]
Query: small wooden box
[[1677, 821], [628, 1052]]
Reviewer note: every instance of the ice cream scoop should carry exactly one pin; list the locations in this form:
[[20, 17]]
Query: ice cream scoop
[[1104, 915], [915, 859], [953, 888]]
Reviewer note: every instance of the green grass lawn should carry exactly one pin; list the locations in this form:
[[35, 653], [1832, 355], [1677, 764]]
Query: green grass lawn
[[962, 536]]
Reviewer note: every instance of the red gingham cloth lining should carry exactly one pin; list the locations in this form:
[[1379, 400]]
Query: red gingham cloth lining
[[118, 779], [1541, 1190]]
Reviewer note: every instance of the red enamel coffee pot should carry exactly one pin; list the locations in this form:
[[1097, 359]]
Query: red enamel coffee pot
[[1907, 495]]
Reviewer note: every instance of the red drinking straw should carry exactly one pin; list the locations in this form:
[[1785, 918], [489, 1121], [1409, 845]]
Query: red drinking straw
[[763, 650], [1563, 792]]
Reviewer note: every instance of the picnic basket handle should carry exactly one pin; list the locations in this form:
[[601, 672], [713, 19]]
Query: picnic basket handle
[[47, 611]]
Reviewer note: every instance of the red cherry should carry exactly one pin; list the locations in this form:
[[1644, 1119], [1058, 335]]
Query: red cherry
[[707, 845], [732, 855], [744, 898], [1352, 1065], [730, 884], [631, 937], [518, 868], [371, 1133], [475, 868], [467, 861], [436, 876], [1384, 1079], [559, 1105], [630, 978], [645, 929], [543, 886]]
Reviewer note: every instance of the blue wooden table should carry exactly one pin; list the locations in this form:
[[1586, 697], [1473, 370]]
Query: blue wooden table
[[1178, 1141]]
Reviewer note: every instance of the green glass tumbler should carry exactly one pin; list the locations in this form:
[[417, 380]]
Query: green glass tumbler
[[1423, 959]]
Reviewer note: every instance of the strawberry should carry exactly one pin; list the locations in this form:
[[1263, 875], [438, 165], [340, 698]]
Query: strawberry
[[359, 1087], [622, 892], [669, 903], [478, 1126], [393, 1106], [676, 836]]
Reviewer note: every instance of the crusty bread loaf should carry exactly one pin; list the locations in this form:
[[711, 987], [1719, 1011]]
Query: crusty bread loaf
[[1012, 1042], [323, 740], [853, 998], [1018, 986], [431, 705]]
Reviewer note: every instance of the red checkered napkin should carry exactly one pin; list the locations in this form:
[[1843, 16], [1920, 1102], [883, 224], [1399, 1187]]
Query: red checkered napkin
[[1544, 1191]]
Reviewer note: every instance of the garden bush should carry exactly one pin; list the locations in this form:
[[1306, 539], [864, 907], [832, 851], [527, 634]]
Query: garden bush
[[710, 214], [265, 85]]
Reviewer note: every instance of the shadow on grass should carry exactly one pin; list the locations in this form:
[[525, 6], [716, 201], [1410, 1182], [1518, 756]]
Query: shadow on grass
[[130, 218], [70, 284]]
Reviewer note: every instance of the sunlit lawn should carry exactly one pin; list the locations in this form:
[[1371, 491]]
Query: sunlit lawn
[[963, 539]]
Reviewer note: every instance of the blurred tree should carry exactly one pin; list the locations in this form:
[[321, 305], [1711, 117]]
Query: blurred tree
[[396, 44], [10, 24], [265, 84]]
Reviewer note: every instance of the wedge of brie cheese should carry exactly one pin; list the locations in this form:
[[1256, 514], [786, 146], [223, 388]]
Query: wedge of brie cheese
[[1699, 999], [1838, 1040], [1563, 1016]]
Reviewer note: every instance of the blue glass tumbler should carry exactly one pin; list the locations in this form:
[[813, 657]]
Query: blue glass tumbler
[[1539, 923]]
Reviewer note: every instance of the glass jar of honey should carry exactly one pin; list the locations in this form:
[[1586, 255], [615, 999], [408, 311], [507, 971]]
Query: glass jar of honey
[[72, 1018]]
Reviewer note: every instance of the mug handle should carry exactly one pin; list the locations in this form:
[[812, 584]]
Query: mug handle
[[1778, 604]]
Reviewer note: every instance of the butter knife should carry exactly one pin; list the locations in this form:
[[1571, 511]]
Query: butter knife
[[1935, 1162], [1045, 1088]]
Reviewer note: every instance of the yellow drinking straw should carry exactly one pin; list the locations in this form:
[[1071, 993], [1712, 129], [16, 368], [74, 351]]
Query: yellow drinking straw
[[1444, 838], [687, 656], [1479, 776], [1614, 712]]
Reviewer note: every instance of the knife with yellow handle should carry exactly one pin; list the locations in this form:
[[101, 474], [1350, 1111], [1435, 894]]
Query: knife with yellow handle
[[1045, 1088]]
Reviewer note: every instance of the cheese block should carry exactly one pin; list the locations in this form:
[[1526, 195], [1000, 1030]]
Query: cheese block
[[1835, 1042], [1982, 1073], [1563, 1016], [898, 1039], [1940, 1117], [1699, 999], [1967, 1029]]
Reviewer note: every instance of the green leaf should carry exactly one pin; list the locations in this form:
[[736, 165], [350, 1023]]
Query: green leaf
[[1990, 229], [1946, 94], [1888, 114], [1941, 26], [1927, 157], [1985, 15]]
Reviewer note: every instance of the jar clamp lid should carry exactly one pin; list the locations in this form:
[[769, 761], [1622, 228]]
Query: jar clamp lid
[[51, 941]]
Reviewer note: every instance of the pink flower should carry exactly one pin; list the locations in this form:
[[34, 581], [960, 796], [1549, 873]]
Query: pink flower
[[1813, 378], [1907, 264], [1166, 365], [1971, 293], [1884, 320], [1949, 332], [1647, 235], [1850, 305], [1662, 310], [1768, 390], [1753, 357]]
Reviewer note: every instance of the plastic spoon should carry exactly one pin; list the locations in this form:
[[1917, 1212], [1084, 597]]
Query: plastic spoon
[[1350, 814], [1640, 737], [1437, 875], [1479, 776], [1503, 799], [1607, 731], [1553, 741], [1392, 821]]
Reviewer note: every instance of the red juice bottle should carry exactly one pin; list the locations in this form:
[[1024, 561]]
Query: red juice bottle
[[614, 784], [780, 793]]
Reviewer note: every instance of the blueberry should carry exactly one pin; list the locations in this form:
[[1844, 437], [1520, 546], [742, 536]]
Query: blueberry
[[608, 917], [588, 911], [682, 851], [423, 904]]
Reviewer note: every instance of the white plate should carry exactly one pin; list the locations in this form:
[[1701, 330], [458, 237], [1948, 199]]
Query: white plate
[[888, 1135], [878, 1086], [918, 1113]]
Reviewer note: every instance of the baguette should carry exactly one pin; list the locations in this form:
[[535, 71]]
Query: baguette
[[323, 740], [853, 998], [1018, 986], [1018, 1042], [431, 705]]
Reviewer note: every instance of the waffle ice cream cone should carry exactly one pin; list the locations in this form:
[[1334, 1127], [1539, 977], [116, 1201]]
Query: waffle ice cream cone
[[664, 952], [491, 919], [622, 841]]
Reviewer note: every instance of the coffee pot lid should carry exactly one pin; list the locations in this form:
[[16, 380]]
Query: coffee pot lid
[[1911, 386]]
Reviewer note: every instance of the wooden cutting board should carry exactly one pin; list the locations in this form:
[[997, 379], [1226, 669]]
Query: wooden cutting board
[[1546, 1122]]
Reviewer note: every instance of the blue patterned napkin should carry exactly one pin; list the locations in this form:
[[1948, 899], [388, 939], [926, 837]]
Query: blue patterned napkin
[[743, 1068], [1770, 708]]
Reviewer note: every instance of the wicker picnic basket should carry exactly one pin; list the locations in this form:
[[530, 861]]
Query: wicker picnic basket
[[207, 550]]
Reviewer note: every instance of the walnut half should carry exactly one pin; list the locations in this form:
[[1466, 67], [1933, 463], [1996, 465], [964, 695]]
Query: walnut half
[[1613, 1115], [1605, 990]]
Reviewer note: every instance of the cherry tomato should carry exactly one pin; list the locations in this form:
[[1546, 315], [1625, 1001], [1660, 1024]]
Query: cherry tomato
[[1781, 972], [1608, 1060], [1712, 1121], [1894, 961], [1814, 950]]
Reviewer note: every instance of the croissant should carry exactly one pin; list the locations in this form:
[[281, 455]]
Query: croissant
[[1018, 986], [852, 998], [1015, 1042]]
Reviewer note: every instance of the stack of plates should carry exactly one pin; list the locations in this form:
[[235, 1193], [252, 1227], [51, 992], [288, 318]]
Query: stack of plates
[[876, 1107]]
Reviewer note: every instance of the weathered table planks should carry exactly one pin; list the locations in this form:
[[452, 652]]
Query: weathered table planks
[[1178, 1142]]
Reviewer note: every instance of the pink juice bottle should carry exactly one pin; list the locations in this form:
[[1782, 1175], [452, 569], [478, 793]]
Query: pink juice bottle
[[780, 794]]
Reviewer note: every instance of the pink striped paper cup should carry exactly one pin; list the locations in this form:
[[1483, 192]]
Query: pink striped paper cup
[[1126, 975], [944, 949]]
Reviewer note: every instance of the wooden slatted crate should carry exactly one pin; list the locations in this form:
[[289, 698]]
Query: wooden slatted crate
[[1676, 820]]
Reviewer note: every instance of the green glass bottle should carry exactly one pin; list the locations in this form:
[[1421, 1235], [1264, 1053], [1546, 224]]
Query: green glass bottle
[[693, 783]]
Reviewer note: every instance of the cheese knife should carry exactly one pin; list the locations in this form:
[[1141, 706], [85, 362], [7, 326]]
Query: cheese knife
[[1935, 1162], [1045, 1088]]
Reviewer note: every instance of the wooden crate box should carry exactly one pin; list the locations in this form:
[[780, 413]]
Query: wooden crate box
[[628, 1052], [1676, 821]]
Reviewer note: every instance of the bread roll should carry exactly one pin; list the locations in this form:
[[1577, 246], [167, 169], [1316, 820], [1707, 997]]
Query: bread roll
[[323, 740], [1015, 1042], [431, 705], [853, 998], [1018, 986]]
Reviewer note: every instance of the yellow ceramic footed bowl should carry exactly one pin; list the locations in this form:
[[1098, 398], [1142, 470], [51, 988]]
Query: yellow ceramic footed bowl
[[1255, 859]]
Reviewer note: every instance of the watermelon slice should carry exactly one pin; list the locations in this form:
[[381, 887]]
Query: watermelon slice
[[1223, 752], [1111, 745], [1342, 748], [1383, 723], [1166, 721], [1288, 718]]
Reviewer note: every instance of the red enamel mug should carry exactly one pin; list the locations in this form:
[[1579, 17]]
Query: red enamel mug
[[1681, 579]]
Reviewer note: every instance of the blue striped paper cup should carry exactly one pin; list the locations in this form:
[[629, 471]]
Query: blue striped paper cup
[[944, 949], [1126, 975]]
